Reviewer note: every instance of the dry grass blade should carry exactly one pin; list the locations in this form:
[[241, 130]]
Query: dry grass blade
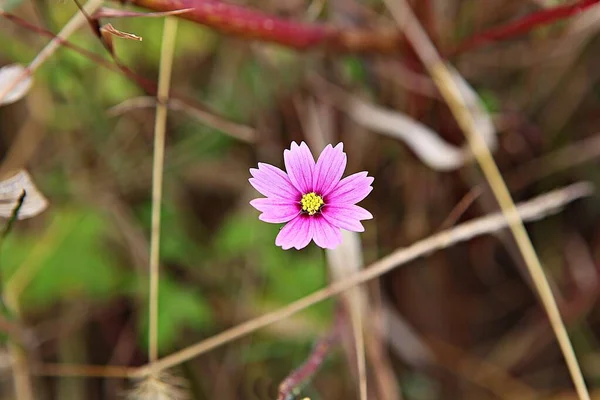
[[532, 210], [451, 93], [12, 189], [108, 31]]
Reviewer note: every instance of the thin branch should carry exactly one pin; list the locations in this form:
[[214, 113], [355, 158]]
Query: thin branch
[[534, 209], [531, 210], [449, 89], [252, 24], [164, 79]]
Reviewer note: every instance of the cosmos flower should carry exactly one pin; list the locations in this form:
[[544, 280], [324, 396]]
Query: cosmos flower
[[311, 198]]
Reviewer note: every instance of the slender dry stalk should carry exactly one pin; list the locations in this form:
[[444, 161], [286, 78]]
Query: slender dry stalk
[[445, 82], [532, 210], [164, 79]]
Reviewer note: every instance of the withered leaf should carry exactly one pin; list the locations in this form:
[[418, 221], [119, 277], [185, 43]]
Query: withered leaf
[[12, 189], [10, 91]]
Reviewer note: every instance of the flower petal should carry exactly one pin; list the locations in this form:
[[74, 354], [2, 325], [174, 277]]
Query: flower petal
[[275, 210], [346, 216], [351, 189], [270, 181], [299, 164], [326, 235], [329, 169], [296, 233]]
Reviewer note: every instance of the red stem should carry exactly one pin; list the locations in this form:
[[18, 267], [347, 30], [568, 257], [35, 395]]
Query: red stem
[[243, 21], [524, 25], [301, 375], [254, 24]]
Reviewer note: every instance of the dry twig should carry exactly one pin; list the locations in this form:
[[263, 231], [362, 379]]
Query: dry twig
[[531, 210]]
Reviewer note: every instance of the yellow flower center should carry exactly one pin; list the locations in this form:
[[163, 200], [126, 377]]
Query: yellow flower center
[[311, 203]]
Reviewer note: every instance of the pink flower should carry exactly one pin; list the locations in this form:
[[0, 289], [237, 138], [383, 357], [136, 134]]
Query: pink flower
[[312, 198]]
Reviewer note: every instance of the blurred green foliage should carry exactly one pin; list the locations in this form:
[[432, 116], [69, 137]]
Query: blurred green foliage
[[72, 262], [288, 275], [67, 263]]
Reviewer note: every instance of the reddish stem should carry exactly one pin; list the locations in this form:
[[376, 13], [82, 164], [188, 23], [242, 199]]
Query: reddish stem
[[243, 21], [254, 24], [300, 376], [524, 25]]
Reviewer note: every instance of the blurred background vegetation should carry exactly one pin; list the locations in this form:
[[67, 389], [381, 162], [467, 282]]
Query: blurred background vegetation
[[476, 328]]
